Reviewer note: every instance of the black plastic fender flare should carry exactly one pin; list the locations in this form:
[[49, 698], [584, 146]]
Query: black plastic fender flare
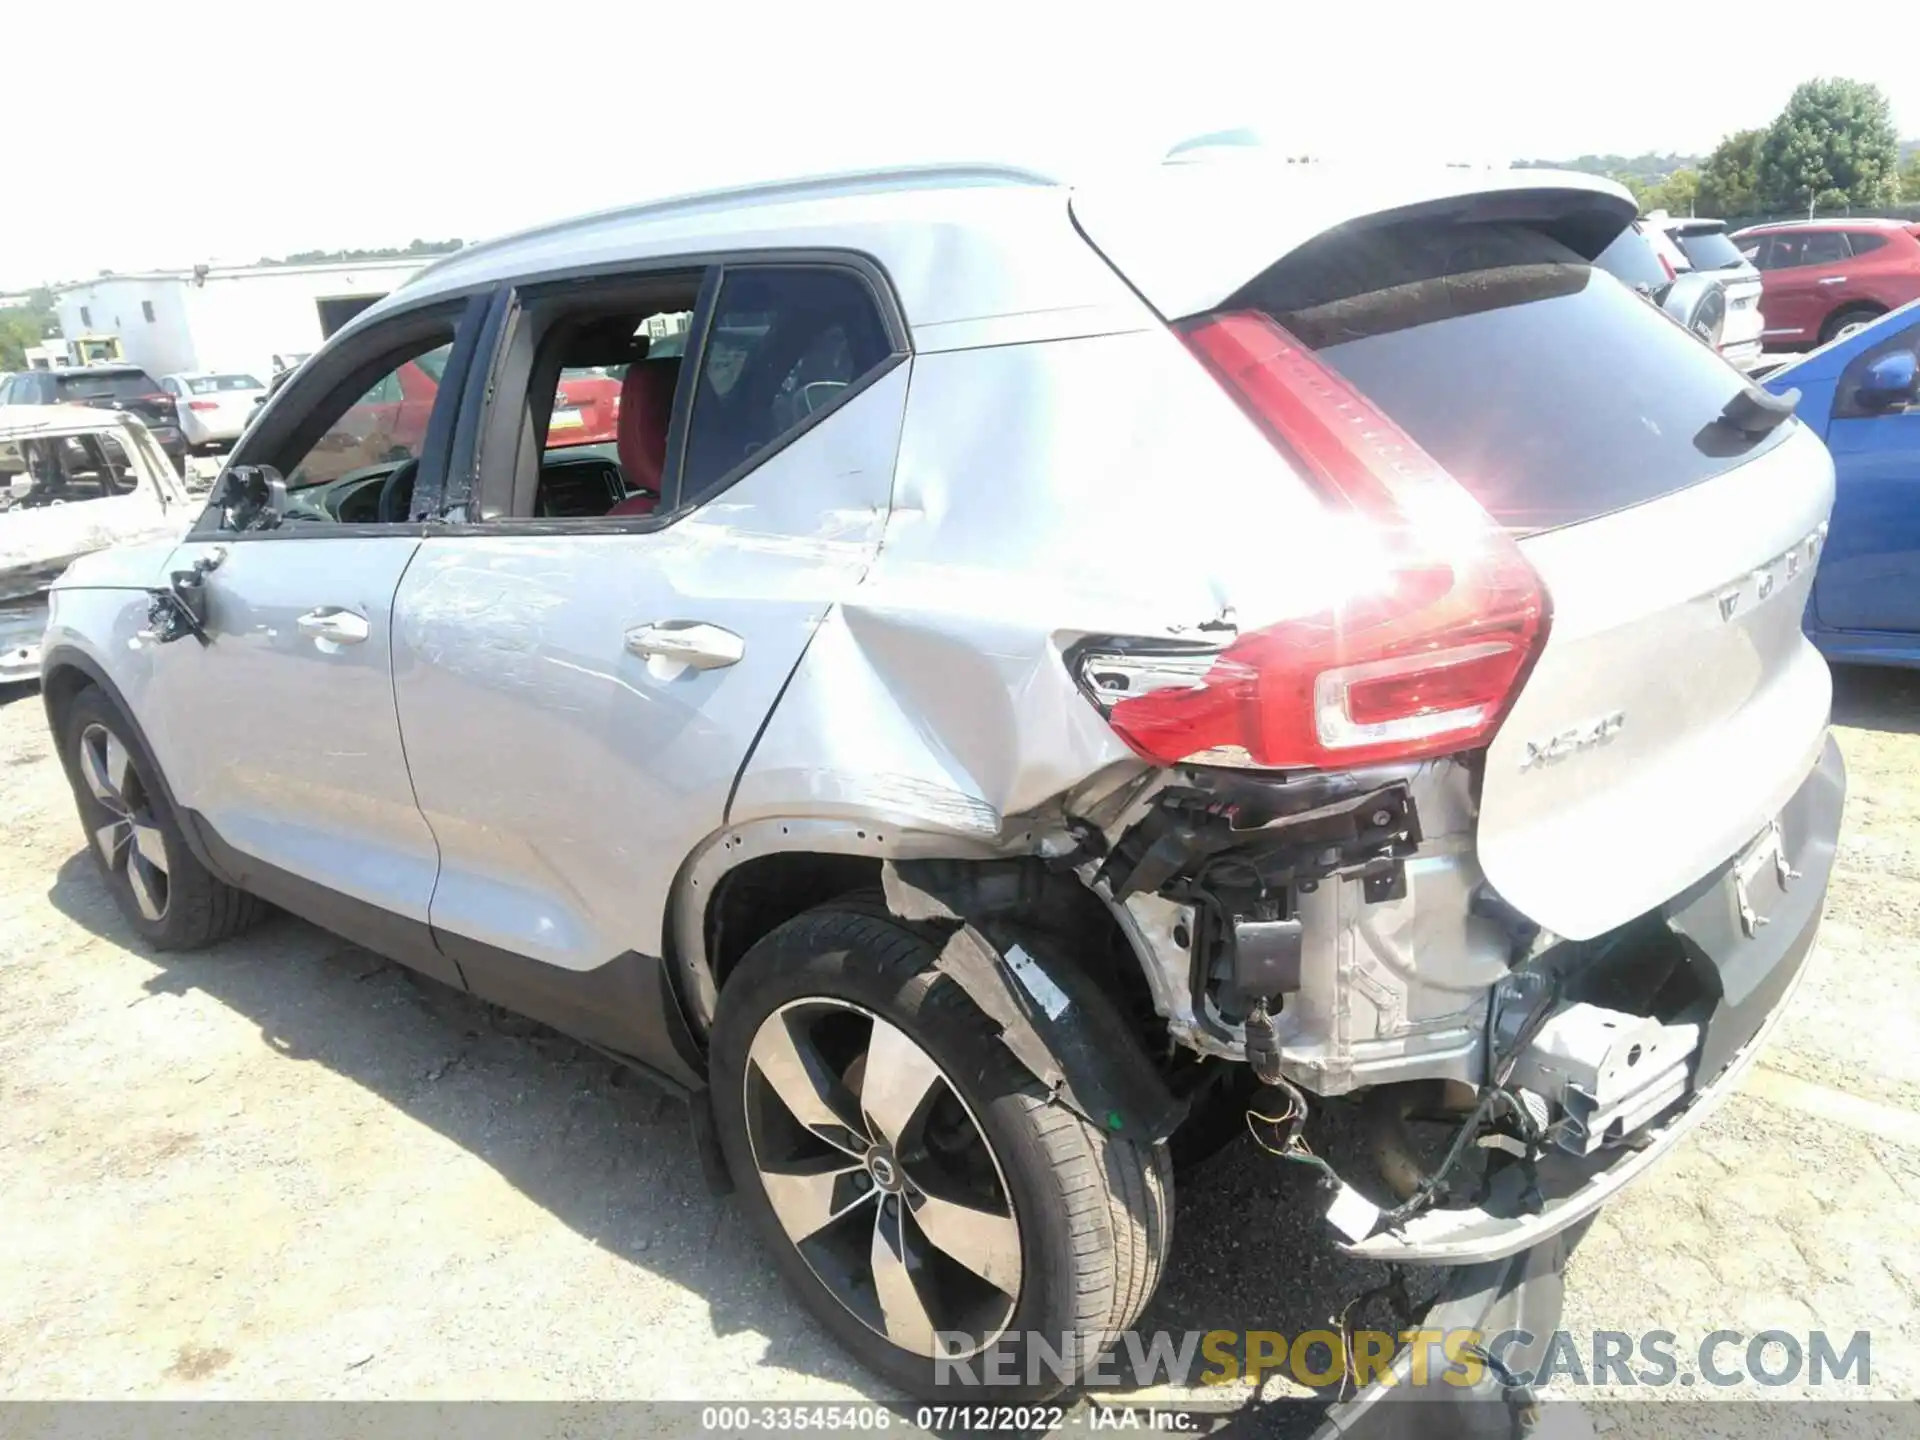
[[1052, 1015]]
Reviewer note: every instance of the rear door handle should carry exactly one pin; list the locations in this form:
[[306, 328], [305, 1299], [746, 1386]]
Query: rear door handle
[[331, 622], [1833, 280], [690, 642]]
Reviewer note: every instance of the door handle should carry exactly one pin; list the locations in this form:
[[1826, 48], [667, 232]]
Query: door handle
[[331, 622], [689, 642], [1832, 280]]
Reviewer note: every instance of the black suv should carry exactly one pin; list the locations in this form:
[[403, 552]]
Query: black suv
[[105, 387]]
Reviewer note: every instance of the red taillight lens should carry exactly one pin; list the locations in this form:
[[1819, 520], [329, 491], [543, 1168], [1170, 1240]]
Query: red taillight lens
[[1421, 655], [203, 404]]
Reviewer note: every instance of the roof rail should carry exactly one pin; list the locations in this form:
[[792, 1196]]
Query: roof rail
[[903, 177]]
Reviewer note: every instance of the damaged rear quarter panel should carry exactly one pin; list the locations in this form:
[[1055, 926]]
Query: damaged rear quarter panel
[[1046, 493], [1043, 493]]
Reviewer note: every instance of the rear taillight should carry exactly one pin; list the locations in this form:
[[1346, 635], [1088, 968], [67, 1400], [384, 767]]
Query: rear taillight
[[203, 404], [1423, 651]]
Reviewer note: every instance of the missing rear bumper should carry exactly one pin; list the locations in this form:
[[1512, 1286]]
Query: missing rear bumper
[[1756, 971]]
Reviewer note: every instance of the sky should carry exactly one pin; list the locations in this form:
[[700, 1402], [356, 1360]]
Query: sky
[[221, 132]]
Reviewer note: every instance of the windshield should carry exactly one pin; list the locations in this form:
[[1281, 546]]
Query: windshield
[[1711, 250], [1551, 394], [212, 384]]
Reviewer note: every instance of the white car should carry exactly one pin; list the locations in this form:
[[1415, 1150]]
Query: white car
[[214, 408], [90, 479], [1707, 249]]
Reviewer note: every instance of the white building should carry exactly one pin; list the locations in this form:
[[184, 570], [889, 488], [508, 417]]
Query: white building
[[226, 317]]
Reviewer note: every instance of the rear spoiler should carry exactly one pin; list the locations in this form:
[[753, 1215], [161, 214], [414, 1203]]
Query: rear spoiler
[[1189, 236]]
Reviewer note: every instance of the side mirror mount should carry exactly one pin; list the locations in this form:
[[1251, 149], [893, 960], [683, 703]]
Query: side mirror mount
[[1893, 379], [250, 497]]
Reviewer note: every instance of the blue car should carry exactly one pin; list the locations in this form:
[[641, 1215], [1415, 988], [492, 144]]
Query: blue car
[[1862, 394]]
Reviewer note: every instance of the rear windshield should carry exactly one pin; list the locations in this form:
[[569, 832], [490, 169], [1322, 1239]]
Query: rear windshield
[[212, 384], [112, 385], [1551, 391], [1711, 250], [1630, 260]]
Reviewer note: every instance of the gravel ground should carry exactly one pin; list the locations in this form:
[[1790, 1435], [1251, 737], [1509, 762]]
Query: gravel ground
[[285, 1169]]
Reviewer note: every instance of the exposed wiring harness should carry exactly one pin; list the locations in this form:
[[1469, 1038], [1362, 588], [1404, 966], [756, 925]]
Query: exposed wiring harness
[[1495, 1100]]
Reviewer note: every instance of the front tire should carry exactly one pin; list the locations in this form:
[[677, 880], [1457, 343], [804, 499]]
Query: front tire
[[912, 1180], [166, 895]]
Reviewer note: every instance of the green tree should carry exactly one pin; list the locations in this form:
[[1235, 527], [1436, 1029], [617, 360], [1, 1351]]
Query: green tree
[[1910, 179], [25, 325], [1730, 180], [1677, 194], [1636, 185], [1833, 144]]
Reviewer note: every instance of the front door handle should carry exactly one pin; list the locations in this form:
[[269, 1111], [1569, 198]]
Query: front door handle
[[331, 622], [689, 642]]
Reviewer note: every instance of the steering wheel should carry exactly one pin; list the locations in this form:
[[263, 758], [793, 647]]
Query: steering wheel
[[396, 494]]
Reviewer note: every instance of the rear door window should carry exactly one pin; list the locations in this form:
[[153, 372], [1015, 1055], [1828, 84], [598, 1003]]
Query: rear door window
[[1553, 394], [1816, 247], [786, 342], [1862, 241]]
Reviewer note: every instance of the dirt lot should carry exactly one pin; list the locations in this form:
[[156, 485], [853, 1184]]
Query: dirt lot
[[284, 1168]]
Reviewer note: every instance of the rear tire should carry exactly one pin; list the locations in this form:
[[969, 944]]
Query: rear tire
[[1845, 322], [1069, 1224], [167, 896]]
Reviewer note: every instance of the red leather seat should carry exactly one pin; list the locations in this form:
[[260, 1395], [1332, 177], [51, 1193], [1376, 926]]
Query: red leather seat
[[646, 409]]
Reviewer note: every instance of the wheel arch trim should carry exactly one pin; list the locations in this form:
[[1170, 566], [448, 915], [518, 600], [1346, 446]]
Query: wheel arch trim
[[707, 866]]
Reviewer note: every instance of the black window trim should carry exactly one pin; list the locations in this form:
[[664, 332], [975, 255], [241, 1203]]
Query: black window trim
[[334, 366], [488, 482]]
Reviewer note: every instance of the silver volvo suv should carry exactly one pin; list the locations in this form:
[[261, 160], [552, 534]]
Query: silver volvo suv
[[990, 687]]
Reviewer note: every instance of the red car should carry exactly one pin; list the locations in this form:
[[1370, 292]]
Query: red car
[[391, 419], [1822, 279]]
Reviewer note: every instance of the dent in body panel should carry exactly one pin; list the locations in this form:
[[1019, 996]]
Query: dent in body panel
[[1043, 493], [1046, 493]]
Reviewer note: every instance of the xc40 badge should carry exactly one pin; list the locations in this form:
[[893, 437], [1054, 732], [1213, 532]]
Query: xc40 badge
[[1572, 740]]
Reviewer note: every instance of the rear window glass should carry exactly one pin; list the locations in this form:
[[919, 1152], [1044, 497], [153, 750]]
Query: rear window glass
[[213, 384], [1711, 250], [1630, 259], [111, 385], [1552, 393], [1862, 241]]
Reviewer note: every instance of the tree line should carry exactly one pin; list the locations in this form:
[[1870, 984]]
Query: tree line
[[1832, 148]]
